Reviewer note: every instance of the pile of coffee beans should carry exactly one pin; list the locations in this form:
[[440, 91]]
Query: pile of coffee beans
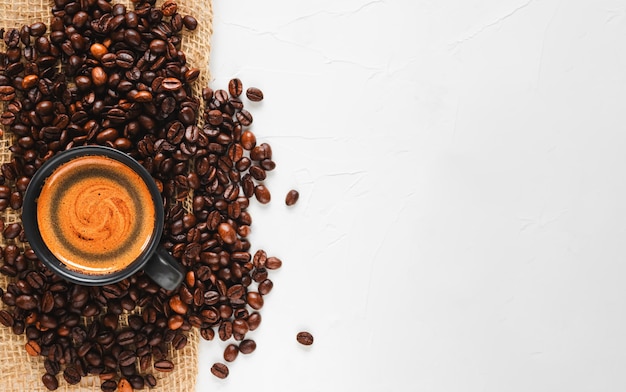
[[107, 75]]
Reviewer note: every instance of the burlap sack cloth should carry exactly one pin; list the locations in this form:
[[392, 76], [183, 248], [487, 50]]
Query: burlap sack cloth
[[18, 370]]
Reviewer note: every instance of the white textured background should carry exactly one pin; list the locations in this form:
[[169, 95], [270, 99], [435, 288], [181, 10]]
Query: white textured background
[[461, 166]]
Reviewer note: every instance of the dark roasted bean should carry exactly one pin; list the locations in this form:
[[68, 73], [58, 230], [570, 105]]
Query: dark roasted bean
[[108, 386], [247, 346], [190, 22], [273, 263], [292, 197], [304, 338], [71, 375], [219, 370], [254, 320], [265, 287], [244, 117], [235, 87], [50, 381], [255, 300], [164, 365], [254, 94], [262, 194], [230, 352], [6, 318]]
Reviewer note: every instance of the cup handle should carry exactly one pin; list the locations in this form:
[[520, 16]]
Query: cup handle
[[164, 269]]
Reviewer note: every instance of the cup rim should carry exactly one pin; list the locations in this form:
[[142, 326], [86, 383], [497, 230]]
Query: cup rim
[[33, 235]]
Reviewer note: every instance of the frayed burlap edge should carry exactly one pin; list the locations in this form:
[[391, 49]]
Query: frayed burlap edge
[[19, 371]]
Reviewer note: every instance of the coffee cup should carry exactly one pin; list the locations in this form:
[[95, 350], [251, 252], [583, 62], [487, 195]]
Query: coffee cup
[[94, 216]]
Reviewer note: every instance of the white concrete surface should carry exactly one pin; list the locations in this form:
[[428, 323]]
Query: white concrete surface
[[462, 172]]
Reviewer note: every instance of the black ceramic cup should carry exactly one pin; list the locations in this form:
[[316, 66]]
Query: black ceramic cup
[[157, 263]]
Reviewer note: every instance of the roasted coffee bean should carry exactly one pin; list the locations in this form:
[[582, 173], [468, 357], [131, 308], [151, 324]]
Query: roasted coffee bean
[[179, 341], [227, 233], [304, 338], [29, 81], [254, 320], [215, 117], [158, 46], [257, 173], [52, 367], [33, 348], [254, 94], [247, 346], [6, 318], [265, 287], [219, 370], [15, 202], [50, 381], [127, 358], [123, 60], [221, 96], [260, 258], [240, 326], [108, 386], [273, 263], [37, 29], [171, 84], [225, 330], [230, 352], [207, 333], [178, 305], [262, 194], [7, 93], [235, 87], [169, 8], [236, 291], [175, 322], [98, 50], [150, 380], [292, 197], [26, 302], [259, 274], [164, 365], [98, 76], [255, 300], [71, 375], [190, 22], [136, 381], [244, 117]]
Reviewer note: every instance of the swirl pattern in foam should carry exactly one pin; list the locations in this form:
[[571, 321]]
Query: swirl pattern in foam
[[95, 214]]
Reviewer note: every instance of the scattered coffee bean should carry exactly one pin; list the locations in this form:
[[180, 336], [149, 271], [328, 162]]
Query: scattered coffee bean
[[305, 338], [219, 370], [273, 263], [262, 194], [247, 346], [50, 381], [230, 352], [292, 197], [254, 94]]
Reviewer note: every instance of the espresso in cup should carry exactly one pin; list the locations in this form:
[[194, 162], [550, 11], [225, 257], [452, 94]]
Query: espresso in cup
[[95, 214]]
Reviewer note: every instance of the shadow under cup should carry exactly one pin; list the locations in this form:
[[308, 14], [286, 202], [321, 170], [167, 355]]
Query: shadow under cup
[[94, 216]]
